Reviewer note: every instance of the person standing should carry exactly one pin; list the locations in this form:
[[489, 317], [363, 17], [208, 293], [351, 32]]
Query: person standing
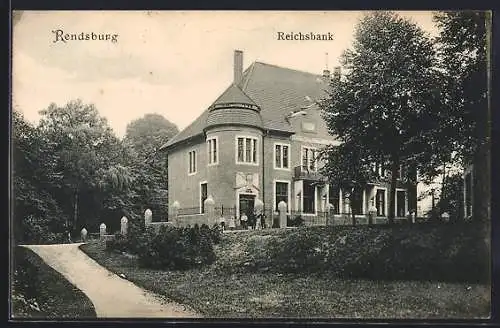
[[263, 220], [222, 222], [244, 220], [258, 221]]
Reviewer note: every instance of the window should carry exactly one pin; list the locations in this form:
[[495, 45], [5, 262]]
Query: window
[[468, 194], [281, 156], [212, 151], [380, 202], [402, 172], [309, 200], [333, 198], [380, 169], [246, 151], [308, 159], [357, 201], [192, 162], [400, 203], [281, 194], [203, 196]]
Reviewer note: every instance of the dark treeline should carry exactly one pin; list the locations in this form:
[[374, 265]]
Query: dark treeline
[[70, 171]]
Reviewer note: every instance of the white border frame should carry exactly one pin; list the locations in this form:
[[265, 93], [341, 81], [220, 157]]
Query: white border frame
[[289, 156]]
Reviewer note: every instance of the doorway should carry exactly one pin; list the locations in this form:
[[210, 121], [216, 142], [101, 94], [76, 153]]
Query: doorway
[[246, 204]]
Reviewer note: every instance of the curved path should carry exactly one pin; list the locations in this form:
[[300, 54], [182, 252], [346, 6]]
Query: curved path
[[112, 296]]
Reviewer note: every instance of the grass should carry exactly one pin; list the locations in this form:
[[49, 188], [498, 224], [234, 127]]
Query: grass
[[40, 292], [219, 291]]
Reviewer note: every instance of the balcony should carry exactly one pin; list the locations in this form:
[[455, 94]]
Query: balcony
[[304, 173]]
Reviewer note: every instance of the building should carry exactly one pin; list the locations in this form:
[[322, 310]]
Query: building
[[259, 140]]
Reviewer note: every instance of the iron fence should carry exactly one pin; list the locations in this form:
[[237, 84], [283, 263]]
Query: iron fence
[[189, 211]]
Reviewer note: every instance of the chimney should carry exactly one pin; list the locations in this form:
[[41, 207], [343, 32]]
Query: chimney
[[326, 74], [238, 66], [337, 72]]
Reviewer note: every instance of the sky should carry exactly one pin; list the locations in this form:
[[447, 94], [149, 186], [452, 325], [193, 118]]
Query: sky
[[170, 63]]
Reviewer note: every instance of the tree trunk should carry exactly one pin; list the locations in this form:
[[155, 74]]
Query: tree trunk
[[75, 208], [392, 193], [352, 214]]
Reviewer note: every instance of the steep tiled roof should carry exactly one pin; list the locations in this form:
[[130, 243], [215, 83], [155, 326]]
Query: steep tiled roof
[[278, 91], [233, 94]]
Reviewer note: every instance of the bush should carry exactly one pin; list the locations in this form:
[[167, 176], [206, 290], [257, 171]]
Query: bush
[[119, 243], [435, 252], [36, 231], [296, 221], [171, 248]]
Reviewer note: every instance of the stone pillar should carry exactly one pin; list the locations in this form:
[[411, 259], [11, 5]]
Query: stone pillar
[[83, 234], [102, 231], [148, 217], [258, 206], [282, 211], [124, 226], [209, 204], [330, 219], [175, 213], [372, 211]]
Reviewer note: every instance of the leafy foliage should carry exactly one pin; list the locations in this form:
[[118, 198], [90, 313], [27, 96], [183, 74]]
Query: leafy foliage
[[171, 248], [386, 106], [437, 252], [71, 171], [462, 52]]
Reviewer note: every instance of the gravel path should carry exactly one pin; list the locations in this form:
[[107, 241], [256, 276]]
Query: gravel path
[[112, 296]]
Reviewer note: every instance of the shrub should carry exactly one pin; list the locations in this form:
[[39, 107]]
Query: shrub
[[174, 248], [118, 243], [296, 221]]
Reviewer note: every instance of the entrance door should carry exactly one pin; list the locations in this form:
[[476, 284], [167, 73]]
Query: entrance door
[[246, 204]]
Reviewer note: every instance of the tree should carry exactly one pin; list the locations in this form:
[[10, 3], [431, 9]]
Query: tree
[[388, 100], [37, 216], [346, 168], [145, 136], [85, 152], [149, 133], [462, 56]]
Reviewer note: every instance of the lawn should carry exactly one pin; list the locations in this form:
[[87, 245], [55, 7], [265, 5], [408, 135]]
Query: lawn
[[40, 292], [219, 292]]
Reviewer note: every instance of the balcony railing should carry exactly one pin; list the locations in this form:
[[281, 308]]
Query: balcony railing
[[304, 173]]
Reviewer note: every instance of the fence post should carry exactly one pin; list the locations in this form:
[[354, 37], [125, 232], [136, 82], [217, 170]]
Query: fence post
[[209, 204], [148, 217], [102, 231], [124, 226], [175, 213], [329, 208], [83, 234], [258, 209], [282, 210]]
